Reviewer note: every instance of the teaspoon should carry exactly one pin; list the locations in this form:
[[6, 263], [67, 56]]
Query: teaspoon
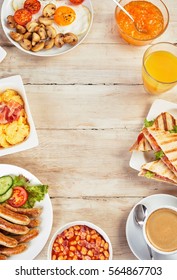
[[127, 13], [140, 214]]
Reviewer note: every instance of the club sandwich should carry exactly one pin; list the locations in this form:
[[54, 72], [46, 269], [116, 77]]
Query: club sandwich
[[164, 121], [157, 170], [165, 144]]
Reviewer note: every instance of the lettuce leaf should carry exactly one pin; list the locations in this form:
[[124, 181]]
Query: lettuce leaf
[[159, 154], [20, 181], [148, 123], [149, 174], [35, 192], [174, 130]]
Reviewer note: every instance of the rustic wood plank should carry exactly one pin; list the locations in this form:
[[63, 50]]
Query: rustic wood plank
[[88, 107], [112, 221], [86, 163], [91, 107]]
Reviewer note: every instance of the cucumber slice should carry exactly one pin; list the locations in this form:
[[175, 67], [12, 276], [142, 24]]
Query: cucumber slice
[[6, 195], [6, 183]]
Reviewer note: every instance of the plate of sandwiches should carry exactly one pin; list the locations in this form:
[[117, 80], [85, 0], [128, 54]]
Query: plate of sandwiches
[[154, 152]]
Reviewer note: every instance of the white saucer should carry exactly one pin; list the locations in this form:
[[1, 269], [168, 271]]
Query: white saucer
[[134, 233]]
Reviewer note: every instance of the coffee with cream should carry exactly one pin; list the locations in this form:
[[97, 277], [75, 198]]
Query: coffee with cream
[[161, 229]]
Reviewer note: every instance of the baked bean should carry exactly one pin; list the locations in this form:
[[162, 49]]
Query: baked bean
[[90, 253], [72, 248], [60, 240], [77, 238], [71, 254], [106, 246], [83, 251], [106, 254], [77, 228], [79, 247], [102, 257], [80, 243], [88, 237]]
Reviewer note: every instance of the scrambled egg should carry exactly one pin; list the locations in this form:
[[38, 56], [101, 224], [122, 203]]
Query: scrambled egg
[[16, 131]]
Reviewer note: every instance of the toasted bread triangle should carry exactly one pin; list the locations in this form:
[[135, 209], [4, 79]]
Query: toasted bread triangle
[[160, 172], [164, 121]]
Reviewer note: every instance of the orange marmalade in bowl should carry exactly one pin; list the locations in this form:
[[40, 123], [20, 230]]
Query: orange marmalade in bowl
[[151, 19]]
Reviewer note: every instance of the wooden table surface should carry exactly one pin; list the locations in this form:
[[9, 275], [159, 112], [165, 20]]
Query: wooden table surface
[[88, 106]]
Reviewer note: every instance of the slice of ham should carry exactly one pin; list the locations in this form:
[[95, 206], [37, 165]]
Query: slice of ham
[[10, 111], [3, 112]]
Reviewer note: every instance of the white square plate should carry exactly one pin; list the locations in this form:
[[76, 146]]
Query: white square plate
[[16, 83], [159, 106]]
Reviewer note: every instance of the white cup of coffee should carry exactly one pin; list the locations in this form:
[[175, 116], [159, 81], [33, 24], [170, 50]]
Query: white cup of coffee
[[2, 54], [160, 230]]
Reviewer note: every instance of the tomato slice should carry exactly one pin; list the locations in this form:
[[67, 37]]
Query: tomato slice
[[19, 197], [33, 6], [76, 2], [22, 16], [140, 137]]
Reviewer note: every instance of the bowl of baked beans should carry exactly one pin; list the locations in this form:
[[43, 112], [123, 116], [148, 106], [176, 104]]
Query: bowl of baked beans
[[80, 240]]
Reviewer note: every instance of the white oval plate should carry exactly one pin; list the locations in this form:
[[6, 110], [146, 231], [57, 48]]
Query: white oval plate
[[7, 9], [46, 217], [134, 233]]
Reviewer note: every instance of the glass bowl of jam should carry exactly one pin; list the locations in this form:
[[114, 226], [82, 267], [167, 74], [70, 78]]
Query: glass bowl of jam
[[151, 18]]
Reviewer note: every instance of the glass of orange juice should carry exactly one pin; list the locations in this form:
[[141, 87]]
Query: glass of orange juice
[[159, 70]]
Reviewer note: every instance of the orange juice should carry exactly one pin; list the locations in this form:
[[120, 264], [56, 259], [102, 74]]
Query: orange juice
[[162, 66], [160, 69]]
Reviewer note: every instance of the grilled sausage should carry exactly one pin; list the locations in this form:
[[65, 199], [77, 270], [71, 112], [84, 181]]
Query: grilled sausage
[[2, 257], [30, 212], [7, 241], [13, 228], [13, 251], [34, 223], [13, 217], [28, 236]]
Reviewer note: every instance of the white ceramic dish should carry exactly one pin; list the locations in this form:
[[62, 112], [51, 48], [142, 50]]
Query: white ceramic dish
[[7, 9], [37, 244], [134, 233], [2, 54], [159, 106], [99, 230], [16, 83]]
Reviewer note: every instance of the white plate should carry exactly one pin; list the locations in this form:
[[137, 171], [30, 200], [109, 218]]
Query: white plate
[[46, 217], [159, 106], [7, 9], [16, 83], [134, 233]]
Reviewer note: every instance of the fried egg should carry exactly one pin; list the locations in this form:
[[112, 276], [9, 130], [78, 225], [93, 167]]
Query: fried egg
[[67, 17]]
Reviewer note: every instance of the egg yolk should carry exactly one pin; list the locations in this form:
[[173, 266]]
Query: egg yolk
[[64, 15]]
